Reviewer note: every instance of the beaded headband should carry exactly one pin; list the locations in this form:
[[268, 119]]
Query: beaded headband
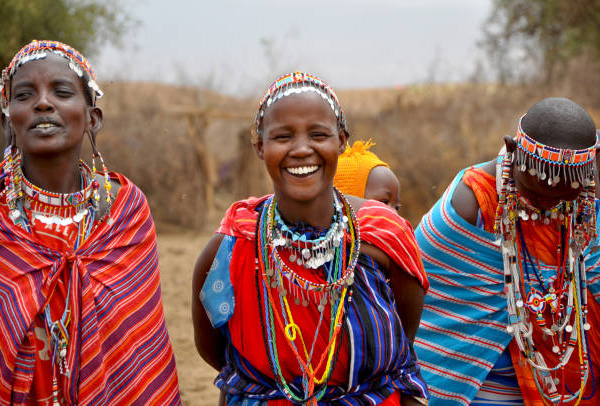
[[295, 83], [36, 50], [552, 163]]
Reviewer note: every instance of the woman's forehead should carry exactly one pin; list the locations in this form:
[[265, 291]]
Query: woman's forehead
[[306, 104]]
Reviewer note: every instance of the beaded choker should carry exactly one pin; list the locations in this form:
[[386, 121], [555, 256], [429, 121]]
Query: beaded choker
[[275, 275], [50, 207], [555, 300], [309, 253], [553, 164]]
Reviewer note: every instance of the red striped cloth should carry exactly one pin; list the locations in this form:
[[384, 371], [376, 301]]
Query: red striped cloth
[[119, 351], [379, 225]]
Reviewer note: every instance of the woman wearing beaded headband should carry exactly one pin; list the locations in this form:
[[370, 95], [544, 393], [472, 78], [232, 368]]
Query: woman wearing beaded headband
[[290, 298], [82, 318], [516, 281]]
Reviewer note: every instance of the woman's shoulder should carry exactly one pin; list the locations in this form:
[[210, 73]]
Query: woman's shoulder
[[463, 200], [240, 218], [372, 212]]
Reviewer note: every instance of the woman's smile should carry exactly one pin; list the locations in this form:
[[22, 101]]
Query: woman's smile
[[303, 171]]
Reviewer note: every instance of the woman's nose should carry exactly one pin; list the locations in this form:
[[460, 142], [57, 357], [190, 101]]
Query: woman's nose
[[43, 102], [301, 146]]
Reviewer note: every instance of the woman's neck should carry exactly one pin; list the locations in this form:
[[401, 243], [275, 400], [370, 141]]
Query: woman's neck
[[57, 175], [317, 213]]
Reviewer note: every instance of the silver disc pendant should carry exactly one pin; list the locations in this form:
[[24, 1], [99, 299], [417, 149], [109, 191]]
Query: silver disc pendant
[[306, 253]]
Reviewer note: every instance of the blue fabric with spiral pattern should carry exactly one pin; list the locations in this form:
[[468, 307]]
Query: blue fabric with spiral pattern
[[217, 293]]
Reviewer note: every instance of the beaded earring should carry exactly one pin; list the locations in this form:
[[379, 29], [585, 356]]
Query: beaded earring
[[12, 179], [96, 186]]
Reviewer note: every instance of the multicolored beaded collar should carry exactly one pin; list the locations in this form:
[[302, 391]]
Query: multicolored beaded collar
[[38, 50], [300, 82], [553, 164]]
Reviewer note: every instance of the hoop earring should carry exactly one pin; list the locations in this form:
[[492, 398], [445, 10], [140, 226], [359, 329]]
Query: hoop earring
[[107, 184]]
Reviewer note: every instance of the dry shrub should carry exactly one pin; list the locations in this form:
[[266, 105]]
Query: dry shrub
[[147, 138]]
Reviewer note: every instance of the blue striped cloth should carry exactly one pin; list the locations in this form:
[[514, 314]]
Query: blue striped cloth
[[463, 327], [501, 387]]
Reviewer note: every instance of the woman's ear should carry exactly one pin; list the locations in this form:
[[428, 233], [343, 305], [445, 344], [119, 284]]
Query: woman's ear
[[343, 138], [259, 146], [511, 144], [6, 130], [96, 120]]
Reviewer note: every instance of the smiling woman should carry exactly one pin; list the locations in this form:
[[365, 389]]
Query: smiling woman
[[76, 323], [309, 296]]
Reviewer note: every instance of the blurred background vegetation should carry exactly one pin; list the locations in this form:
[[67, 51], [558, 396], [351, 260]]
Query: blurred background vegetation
[[189, 148], [83, 24]]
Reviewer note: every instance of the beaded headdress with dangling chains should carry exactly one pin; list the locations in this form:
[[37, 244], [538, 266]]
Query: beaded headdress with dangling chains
[[37, 50], [557, 303], [284, 255]]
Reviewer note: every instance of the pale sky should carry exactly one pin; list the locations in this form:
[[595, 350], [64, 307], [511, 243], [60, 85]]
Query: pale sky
[[240, 46]]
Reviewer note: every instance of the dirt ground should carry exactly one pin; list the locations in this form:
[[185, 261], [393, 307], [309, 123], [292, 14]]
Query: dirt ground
[[177, 254]]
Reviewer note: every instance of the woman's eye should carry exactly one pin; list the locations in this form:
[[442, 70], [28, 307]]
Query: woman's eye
[[63, 92], [21, 95]]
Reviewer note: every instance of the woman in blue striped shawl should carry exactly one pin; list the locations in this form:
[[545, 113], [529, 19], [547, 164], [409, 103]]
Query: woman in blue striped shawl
[[492, 247]]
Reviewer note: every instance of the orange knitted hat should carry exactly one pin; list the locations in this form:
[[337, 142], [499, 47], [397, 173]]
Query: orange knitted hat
[[354, 166]]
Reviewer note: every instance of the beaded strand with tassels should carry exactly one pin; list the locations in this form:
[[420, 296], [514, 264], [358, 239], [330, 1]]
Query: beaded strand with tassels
[[563, 297], [272, 273]]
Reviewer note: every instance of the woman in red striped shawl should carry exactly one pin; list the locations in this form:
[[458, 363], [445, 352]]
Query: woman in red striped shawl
[[308, 296], [80, 304]]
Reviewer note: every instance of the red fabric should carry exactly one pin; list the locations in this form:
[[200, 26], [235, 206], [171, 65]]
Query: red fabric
[[119, 351], [542, 241]]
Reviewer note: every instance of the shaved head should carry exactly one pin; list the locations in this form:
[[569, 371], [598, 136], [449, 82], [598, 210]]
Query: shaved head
[[561, 123]]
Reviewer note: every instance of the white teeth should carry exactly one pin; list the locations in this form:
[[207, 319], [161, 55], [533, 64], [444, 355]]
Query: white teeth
[[302, 170], [45, 125]]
